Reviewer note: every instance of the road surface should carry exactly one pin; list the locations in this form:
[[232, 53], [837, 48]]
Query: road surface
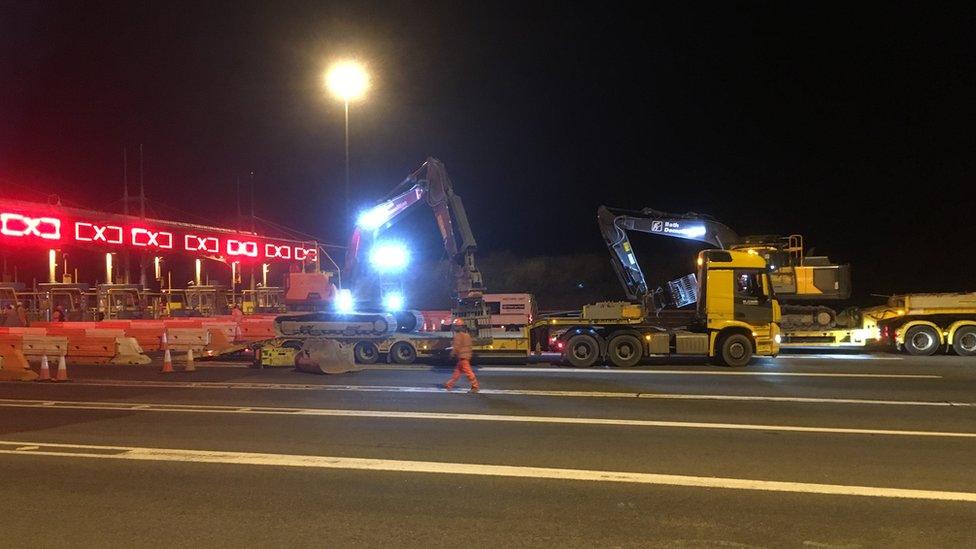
[[803, 451]]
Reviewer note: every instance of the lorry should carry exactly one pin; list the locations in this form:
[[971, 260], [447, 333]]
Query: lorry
[[726, 310], [926, 324]]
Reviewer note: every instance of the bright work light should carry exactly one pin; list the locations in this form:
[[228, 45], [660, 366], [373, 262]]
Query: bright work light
[[393, 301], [389, 257], [344, 302]]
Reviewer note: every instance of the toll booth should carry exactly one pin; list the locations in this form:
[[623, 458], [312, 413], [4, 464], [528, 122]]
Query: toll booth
[[196, 301], [75, 300], [269, 299], [120, 301]]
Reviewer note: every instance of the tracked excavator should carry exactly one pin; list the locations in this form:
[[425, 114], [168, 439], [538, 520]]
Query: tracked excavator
[[796, 277], [430, 184]]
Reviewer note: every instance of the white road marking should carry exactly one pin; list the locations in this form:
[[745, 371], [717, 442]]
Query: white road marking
[[509, 392], [388, 414], [473, 469], [27, 448], [762, 373]]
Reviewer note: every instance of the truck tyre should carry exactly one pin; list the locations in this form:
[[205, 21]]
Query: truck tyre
[[366, 352], [921, 341], [964, 342], [403, 353], [582, 351], [625, 351], [734, 350]]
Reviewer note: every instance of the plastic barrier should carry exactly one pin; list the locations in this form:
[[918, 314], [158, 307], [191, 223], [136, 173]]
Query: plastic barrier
[[13, 363], [128, 351], [182, 339]]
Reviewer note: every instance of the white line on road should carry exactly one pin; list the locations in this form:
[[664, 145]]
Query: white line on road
[[509, 392], [764, 373], [434, 416], [470, 469]]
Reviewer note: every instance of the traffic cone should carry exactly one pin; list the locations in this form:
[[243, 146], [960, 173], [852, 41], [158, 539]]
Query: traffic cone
[[62, 370], [190, 367], [237, 333], [167, 363], [163, 344], [45, 370]]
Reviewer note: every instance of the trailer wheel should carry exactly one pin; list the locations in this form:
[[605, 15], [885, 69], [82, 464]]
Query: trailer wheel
[[366, 352], [734, 350], [921, 341], [582, 350], [964, 342], [625, 351], [403, 353]]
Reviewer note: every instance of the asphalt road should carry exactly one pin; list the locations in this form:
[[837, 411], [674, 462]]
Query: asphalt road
[[802, 451]]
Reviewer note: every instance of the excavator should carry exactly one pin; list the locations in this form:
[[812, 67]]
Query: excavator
[[359, 315], [794, 275]]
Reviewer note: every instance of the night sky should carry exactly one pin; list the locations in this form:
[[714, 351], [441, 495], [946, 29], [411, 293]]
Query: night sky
[[851, 125]]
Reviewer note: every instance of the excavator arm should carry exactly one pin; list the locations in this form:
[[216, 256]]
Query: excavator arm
[[429, 183], [616, 223]]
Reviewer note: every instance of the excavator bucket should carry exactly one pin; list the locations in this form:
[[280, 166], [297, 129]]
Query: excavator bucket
[[326, 356]]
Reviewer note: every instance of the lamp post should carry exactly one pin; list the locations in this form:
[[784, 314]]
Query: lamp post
[[348, 81]]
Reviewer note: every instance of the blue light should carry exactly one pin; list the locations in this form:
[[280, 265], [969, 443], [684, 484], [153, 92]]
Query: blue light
[[374, 218], [389, 257], [344, 302], [393, 301]]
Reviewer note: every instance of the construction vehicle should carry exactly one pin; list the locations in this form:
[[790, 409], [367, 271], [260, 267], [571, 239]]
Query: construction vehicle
[[735, 317], [926, 324], [359, 318], [802, 282]]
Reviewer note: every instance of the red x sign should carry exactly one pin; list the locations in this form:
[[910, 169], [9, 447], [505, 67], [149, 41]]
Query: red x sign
[[12, 224], [272, 251], [194, 243], [89, 232], [156, 239]]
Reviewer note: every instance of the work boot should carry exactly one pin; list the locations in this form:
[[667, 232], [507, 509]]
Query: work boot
[[448, 386], [473, 390]]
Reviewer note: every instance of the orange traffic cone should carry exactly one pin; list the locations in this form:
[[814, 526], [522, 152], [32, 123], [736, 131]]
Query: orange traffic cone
[[167, 363], [45, 370], [190, 367], [237, 333], [62, 370], [163, 344]]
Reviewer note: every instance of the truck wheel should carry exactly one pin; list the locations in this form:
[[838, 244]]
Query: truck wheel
[[366, 352], [403, 353], [921, 341], [964, 342], [734, 350], [625, 351], [582, 351]]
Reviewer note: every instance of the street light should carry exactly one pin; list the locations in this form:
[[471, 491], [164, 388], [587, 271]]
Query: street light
[[348, 81]]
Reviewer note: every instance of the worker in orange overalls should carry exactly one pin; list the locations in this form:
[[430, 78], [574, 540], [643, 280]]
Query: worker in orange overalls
[[461, 348]]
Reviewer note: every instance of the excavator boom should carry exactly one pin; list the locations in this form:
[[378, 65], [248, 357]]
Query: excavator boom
[[615, 224]]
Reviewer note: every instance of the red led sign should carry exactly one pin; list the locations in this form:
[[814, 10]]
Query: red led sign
[[306, 254], [39, 224], [194, 243], [272, 251], [144, 238], [242, 247], [14, 224], [89, 232]]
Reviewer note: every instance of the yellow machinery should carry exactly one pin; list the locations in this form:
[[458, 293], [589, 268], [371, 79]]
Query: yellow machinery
[[736, 317], [924, 324]]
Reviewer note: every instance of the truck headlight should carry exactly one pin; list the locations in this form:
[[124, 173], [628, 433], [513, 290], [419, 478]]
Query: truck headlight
[[778, 339]]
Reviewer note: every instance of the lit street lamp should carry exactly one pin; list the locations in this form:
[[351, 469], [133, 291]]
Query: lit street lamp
[[348, 81]]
